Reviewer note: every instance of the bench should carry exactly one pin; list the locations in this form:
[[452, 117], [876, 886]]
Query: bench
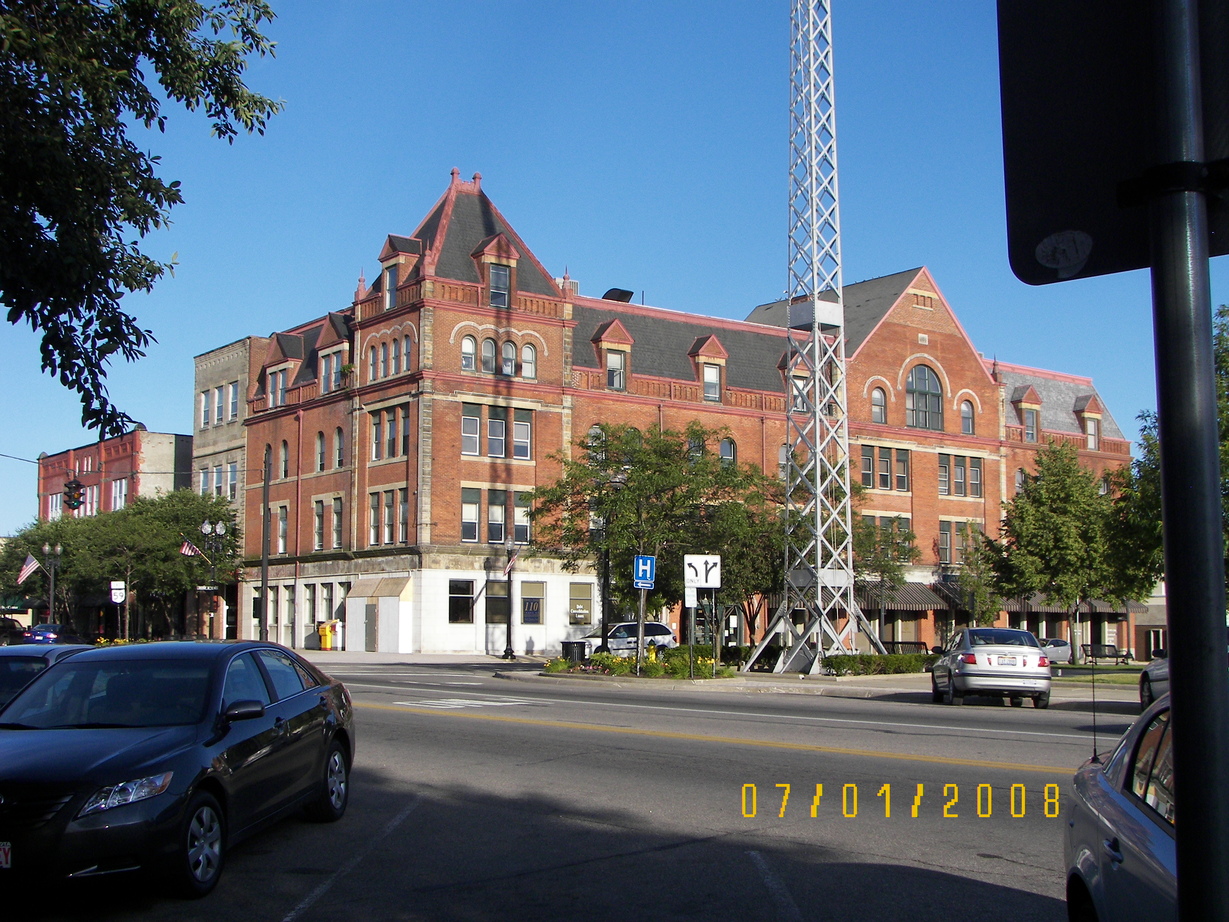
[[1100, 651]]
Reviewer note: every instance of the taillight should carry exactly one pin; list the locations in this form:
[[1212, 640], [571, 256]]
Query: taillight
[[1044, 661], [970, 658]]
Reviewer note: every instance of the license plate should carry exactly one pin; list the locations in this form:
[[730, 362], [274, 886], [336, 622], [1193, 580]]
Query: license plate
[[6, 854], [1007, 661]]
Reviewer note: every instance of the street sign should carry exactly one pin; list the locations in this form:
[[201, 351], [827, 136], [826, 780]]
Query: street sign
[[1078, 83], [119, 592], [702, 571], [645, 572]]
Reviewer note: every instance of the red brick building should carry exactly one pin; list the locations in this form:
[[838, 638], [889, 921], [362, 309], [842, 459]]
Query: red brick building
[[405, 431]]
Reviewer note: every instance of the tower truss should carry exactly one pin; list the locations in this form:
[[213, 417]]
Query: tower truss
[[819, 614]]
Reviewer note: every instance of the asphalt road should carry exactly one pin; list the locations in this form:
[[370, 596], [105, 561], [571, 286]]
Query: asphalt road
[[478, 797]]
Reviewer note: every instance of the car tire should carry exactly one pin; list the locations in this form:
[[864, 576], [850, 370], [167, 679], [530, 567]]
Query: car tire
[[330, 806], [936, 696], [1042, 701], [200, 852], [1146, 696], [1017, 702]]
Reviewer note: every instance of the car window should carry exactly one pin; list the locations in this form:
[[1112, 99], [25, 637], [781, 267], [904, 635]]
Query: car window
[[287, 680], [244, 682], [1145, 754], [1160, 793], [16, 671], [656, 629], [619, 632]]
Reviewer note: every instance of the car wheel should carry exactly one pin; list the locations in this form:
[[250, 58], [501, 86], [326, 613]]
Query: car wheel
[[1146, 697], [1017, 702], [201, 850], [330, 806], [1042, 700], [936, 696]]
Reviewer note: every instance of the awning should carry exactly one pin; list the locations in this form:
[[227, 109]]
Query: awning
[[908, 597], [379, 588], [1040, 604]]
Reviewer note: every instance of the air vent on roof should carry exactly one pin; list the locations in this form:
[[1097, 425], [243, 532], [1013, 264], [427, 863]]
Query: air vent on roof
[[617, 294]]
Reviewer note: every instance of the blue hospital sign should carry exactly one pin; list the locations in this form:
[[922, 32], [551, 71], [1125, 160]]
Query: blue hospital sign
[[645, 571]]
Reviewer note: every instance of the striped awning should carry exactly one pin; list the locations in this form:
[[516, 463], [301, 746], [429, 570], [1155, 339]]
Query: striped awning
[[908, 597], [1037, 602]]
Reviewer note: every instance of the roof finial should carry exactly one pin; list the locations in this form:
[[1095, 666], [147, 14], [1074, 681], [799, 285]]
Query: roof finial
[[477, 182], [456, 176], [361, 291]]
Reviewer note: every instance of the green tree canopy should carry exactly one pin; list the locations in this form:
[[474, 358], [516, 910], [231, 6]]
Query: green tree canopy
[[881, 551], [663, 493], [76, 76]]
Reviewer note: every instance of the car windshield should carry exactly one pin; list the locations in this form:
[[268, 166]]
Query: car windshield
[[112, 693], [1002, 638], [16, 671]]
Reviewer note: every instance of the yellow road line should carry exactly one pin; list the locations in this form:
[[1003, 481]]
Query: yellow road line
[[730, 740]]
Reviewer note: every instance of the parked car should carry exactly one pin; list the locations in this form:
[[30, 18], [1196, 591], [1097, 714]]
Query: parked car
[[20, 664], [10, 630], [621, 638], [162, 756], [1154, 680], [995, 661], [49, 633], [1056, 650], [1118, 843]]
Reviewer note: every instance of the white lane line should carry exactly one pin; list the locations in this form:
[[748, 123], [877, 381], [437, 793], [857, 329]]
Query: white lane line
[[787, 909], [877, 724], [352, 863], [454, 703]]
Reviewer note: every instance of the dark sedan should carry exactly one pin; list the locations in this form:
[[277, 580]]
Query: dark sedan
[[20, 664], [162, 756], [50, 633]]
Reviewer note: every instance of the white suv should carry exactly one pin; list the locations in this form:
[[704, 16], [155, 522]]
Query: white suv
[[622, 637]]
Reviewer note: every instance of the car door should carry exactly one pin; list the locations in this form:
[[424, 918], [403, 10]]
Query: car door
[[301, 707], [249, 749], [1137, 853], [943, 666]]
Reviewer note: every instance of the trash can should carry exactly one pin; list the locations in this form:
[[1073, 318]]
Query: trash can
[[574, 651], [326, 635], [339, 635]]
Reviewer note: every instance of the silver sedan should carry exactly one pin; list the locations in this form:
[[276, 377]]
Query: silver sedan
[[992, 661]]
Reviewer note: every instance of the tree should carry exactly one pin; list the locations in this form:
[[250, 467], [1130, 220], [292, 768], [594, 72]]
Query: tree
[[139, 544], [880, 554], [74, 188], [975, 580], [662, 493], [1055, 537]]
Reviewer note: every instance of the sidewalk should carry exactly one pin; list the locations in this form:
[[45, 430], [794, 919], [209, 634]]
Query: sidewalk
[[913, 687]]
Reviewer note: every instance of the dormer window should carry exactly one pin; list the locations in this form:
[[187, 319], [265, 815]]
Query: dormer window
[[390, 288], [1092, 433], [1032, 419], [501, 283], [616, 370], [712, 382], [277, 387]]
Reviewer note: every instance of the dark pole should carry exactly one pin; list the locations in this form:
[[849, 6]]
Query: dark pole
[[53, 562], [264, 547], [510, 546], [1190, 472]]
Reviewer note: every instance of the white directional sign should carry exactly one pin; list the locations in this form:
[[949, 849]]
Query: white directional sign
[[702, 571], [119, 591]]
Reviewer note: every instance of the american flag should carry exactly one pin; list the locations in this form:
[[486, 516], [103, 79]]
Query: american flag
[[27, 568], [511, 562], [190, 550]]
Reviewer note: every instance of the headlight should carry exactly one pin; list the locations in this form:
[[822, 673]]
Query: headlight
[[127, 793]]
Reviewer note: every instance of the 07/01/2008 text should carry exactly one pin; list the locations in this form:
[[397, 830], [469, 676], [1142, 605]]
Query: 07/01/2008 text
[[1013, 802]]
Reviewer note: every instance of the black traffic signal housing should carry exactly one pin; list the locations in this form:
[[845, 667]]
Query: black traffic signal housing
[[74, 494]]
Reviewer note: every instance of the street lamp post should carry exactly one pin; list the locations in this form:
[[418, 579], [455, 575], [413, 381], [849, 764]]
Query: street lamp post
[[510, 547], [214, 537], [52, 554]]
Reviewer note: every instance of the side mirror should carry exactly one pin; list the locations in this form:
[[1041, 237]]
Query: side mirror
[[244, 710], [937, 651]]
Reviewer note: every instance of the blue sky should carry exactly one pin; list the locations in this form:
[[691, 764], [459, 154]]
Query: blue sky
[[641, 145]]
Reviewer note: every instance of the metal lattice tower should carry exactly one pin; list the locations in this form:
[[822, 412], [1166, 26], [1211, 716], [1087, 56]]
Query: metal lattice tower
[[819, 535]]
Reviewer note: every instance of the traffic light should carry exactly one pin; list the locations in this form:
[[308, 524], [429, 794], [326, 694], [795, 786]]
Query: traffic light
[[74, 494]]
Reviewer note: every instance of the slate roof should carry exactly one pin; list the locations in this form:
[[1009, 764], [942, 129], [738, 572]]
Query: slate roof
[[663, 340], [1060, 397], [866, 303]]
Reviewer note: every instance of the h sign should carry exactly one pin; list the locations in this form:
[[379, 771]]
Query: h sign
[[645, 571]]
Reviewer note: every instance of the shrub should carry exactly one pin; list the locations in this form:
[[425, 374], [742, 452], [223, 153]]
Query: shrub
[[558, 664], [878, 664], [611, 664]]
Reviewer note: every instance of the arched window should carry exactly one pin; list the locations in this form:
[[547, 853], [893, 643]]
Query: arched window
[[783, 461], [529, 361], [595, 441], [339, 448], [285, 460], [319, 451], [372, 356], [966, 417], [396, 356], [383, 360], [405, 352], [923, 399], [508, 366], [879, 406], [468, 348], [729, 451], [488, 356]]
